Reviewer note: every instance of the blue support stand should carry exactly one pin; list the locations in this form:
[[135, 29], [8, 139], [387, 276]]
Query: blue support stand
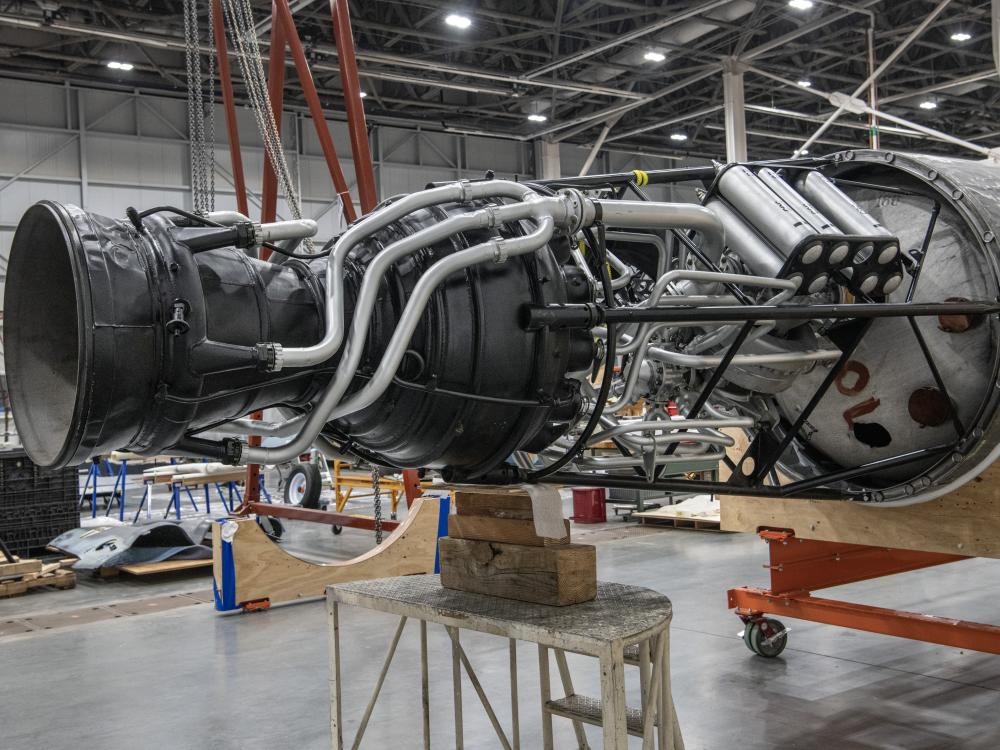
[[91, 483], [118, 492]]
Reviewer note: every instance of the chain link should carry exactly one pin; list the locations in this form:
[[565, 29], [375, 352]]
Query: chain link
[[240, 22], [202, 142], [377, 490]]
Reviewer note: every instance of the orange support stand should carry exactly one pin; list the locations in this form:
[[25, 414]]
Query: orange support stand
[[801, 566]]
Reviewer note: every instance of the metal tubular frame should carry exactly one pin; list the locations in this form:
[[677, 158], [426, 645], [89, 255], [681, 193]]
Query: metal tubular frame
[[800, 566], [766, 449]]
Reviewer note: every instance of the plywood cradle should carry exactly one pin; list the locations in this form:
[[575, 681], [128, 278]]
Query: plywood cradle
[[252, 572], [816, 544]]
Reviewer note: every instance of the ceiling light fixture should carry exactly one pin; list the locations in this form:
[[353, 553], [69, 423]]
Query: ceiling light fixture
[[458, 21], [537, 118], [115, 65], [678, 136], [800, 4], [928, 104], [804, 83], [654, 56], [364, 94], [961, 36], [802, 152]]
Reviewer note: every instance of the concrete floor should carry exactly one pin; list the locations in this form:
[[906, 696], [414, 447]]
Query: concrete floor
[[188, 678]]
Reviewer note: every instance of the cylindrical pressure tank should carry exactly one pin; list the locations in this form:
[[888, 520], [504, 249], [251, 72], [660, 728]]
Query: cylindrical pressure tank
[[764, 209], [846, 214], [820, 223]]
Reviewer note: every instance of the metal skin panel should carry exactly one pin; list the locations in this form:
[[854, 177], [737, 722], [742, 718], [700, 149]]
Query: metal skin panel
[[960, 263]]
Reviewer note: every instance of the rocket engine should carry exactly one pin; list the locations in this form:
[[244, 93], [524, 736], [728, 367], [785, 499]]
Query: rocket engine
[[838, 311]]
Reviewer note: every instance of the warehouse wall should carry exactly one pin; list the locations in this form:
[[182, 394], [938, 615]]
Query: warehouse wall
[[107, 150]]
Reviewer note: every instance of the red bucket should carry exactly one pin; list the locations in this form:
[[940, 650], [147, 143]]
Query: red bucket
[[588, 505]]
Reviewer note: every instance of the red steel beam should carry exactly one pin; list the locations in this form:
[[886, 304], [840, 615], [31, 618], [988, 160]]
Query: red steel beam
[[945, 631], [268, 210], [319, 516], [360, 149], [799, 565], [276, 93], [229, 100], [284, 18], [411, 486]]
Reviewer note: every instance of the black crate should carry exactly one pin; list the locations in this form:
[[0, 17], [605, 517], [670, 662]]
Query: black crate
[[36, 505]]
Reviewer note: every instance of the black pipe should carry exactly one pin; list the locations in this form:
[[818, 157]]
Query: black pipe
[[792, 490], [571, 479], [589, 315]]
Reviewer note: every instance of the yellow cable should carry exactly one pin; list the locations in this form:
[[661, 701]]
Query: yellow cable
[[641, 177]]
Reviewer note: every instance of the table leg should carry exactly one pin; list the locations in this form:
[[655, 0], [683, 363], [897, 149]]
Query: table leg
[[669, 734], [336, 723], [425, 695], [456, 676], [567, 683], [546, 694], [613, 699], [515, 722]]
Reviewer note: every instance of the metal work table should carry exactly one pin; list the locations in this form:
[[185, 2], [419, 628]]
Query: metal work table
[[624, 625]]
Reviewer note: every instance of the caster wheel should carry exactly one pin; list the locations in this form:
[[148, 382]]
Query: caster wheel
[[271, 526], [337, 529], [766, 637], [303, 486]]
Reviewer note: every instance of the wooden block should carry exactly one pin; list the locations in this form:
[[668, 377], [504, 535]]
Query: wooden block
[[20, 568], [514, 504], [508, 530], [544, 575]]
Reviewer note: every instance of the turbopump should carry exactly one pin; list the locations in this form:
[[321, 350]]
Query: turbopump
[[840, 312]]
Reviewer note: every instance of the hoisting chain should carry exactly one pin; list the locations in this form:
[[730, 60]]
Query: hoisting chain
[[240, 22], [202, 136], [377, 490]]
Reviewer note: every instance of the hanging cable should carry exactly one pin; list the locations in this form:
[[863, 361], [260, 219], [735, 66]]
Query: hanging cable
[[600, 250], [240, 21]]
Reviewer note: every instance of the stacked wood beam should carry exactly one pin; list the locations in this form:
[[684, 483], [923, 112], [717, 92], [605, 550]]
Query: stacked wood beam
[[493, 548]]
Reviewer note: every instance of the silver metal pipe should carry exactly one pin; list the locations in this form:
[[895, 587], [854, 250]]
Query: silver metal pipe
[[623, 428], [246, 426], [628, 462], [496, 250], [226, 218], [702, 362], [332, 339], [489, 216], [652, 215], [288, 230]]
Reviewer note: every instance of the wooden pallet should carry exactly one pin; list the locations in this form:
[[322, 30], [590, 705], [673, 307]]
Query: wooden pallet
[[23, 576], [696, 513]]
